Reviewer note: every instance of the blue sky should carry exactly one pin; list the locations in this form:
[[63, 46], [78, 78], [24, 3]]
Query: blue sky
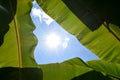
[[55, 45]]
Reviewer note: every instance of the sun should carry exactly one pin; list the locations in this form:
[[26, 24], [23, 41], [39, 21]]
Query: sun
[[52, 40]]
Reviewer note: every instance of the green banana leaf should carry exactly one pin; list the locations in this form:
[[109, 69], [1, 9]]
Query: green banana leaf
[[73, 69], [65, 70], [110, 69], [101, 41], [17, 48], [92, 75], [19, 42]]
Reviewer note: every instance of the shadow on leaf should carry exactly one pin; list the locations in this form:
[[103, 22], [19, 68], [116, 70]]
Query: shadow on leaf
[[92, 75], [7, 12], [11, 73]]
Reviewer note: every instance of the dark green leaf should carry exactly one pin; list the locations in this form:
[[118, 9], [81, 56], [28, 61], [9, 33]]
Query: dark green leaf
[[14, 73], [92, 75]]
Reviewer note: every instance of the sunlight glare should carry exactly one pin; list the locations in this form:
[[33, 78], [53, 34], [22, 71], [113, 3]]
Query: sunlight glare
[[52, 40]]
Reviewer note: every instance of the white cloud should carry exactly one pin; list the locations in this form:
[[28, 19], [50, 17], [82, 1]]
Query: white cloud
[[65, 43], [43, 17]]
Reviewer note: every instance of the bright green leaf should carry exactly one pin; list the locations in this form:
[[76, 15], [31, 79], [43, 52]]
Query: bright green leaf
[[64, 71], [111, 69], [19, 42]]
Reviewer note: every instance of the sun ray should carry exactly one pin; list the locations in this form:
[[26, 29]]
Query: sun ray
[[52, 40]]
